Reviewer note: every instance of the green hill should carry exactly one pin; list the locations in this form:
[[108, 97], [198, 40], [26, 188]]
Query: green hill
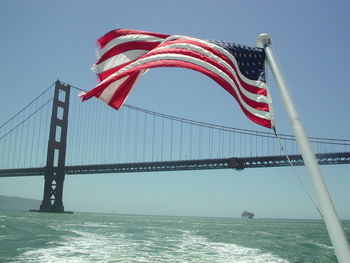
[[18, 203]]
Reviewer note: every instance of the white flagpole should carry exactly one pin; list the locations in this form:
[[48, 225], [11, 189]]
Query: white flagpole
[[335, 230]]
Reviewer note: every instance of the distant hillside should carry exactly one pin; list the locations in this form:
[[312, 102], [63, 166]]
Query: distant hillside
[[18, 203]]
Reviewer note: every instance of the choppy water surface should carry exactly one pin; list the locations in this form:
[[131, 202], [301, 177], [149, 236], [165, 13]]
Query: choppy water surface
[[40, 237]]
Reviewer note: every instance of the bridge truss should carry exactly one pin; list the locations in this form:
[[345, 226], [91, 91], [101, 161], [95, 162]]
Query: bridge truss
[[208, 164]]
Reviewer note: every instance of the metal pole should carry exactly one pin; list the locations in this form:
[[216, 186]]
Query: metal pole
[[335, 230]]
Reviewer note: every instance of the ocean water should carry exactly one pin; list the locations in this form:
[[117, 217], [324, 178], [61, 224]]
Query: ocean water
[[83, 237]]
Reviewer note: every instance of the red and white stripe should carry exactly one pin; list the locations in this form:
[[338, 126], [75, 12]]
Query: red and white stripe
[[126, 54]]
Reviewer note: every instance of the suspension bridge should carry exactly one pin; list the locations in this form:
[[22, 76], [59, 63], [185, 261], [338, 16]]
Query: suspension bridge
[[56, 135]]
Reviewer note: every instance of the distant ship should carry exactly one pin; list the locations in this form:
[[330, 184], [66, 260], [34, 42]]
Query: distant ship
[[247, 214]]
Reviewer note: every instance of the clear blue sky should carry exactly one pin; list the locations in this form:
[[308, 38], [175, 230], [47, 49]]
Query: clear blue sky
[[47, 40]]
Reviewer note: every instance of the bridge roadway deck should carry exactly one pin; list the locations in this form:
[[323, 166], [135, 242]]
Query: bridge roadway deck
[[207, 164]]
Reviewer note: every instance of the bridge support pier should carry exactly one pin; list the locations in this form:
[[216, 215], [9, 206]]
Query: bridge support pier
[[56, 151]]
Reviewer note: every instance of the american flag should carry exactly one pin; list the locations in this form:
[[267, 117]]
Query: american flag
[[126, 54]]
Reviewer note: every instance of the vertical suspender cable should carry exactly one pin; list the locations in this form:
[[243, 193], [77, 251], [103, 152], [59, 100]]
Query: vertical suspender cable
[[180, 154], [84, 152], [190, 144], [223, 144], [39, 138], [153, 135], [200, 141], [94, 134], [82, 135], [127, 134], [144, 137], [220, 143], [230, 144], [32, 140], [245, 143], [20, 146], [210, 142], [14, 149], [240, 144], [119, 140], [136, 135], [256, 143], [171, 139], [26, 144], [109, 125], [161, 151]]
